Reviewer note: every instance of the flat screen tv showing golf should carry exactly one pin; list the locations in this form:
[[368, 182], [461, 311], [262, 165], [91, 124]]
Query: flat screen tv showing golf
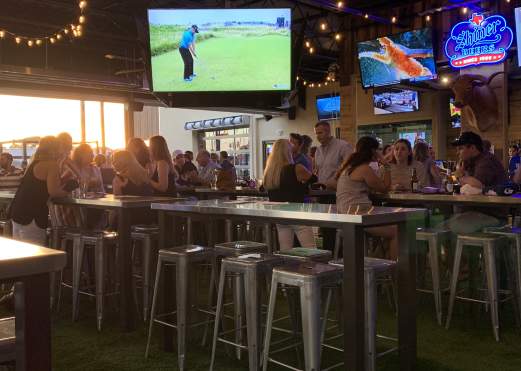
[[395, 101], [220, 50], [406, 56], [328, 107]]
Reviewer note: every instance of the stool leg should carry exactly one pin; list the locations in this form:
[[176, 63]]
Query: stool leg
[[269, 322], [189, 232], [238, 299], [433, 246], [269, 237], [154, 304], [147, 257], [77, 260], [218, 315], [99, 267], [211, 288], [490, 270], [252, 318], [182, 307], [338, 243], [370, 319], [310, 305], [454, 281]]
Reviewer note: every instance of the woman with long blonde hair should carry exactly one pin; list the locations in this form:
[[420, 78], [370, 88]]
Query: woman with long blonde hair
[[288, 182]]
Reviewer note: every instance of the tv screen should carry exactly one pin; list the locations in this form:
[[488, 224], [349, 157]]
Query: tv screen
[[217, 50], [328, 107], [406, 56], [395, 101], [412, 137], [455, 115]]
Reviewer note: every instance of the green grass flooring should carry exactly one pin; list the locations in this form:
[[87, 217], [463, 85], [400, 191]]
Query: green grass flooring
[[227, 64], [468, 345]]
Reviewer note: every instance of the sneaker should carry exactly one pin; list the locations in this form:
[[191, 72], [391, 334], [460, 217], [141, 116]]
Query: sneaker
[[188, 79], [193, 75]]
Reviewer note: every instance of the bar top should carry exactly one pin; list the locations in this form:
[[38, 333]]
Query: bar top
[[111, 201], [482, 200], [7, 194], [318, 213], [19, 259]]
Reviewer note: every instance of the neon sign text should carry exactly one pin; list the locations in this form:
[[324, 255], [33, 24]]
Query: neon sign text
[[479, 40]]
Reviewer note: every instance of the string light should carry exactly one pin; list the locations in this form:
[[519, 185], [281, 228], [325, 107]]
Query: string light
[[366, 16], [308, 44], [393, 20], [340, 4], [445, 80], [464, 10], [305, 83], [319, 85], [428, 18], [323, 26], [71, 29], [311, 50], [337, 37]]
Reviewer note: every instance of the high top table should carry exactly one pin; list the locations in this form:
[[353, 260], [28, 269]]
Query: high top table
[[30, 266], [436, 199], [352, 225], [124, 206]]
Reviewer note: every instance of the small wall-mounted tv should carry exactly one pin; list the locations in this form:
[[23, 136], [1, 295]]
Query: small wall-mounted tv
[[395, 101], [220, 50], [455, 115], [328, 106], [407, 56], [412, 137]]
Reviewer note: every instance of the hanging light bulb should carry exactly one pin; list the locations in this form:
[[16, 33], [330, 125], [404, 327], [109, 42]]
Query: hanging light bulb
[[337, 36], [311, 50], [366, 16], [66, 31], [81, 19], [319, 85], [38, 42], [59, 36], [325, 84], [323, 26], [340, 4], [305, 83], [428, 18], [83, 4], [73, 27], [393, 20], [464, 10], [17, 40], [30, 43], [308, 44], [52, 40], [2, 34]]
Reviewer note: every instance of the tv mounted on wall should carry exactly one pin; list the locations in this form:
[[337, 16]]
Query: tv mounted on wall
[[407, 56], [328, 106], [220, 50], [395, 101]]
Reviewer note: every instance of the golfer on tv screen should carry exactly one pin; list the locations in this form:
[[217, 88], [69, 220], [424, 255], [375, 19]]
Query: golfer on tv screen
[[187, 51]]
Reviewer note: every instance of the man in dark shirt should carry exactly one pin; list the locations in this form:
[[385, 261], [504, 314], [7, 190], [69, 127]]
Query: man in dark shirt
[[515, 159], [189, 165], [480, 170]]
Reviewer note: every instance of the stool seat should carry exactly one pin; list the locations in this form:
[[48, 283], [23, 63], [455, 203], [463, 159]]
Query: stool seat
[[424, 233], [184, 251], [253, 259], [377, 265], [239, 247], [143, 228], [479, 237], [308, 269], [506, 230], [305, 253], [93, 236]]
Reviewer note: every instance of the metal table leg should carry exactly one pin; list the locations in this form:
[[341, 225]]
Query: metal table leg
[[127, 315]]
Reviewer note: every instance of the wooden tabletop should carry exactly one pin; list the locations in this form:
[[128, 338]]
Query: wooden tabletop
[[20, 259]]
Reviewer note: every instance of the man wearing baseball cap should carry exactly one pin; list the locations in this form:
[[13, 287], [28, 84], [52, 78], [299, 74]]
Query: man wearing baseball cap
[[480, 170], [187, 51]]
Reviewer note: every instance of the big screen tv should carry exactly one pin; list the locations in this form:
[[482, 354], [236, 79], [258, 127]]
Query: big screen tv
[[406, 56], [395, 101], [220, 50], [328, 106]]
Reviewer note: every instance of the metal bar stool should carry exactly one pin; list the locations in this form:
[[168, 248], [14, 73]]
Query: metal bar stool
[[306, 254], [249, 269], [514, 235], [183, 257], [434, 239], [103, 242], [489, 243], [310, 277], [373, 268], [236, 248], [147, 236]]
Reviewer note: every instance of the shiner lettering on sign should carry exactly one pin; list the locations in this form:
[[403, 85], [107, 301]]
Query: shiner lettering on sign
[[479, 40]]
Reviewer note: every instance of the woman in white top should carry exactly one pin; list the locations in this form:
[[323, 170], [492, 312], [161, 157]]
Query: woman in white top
[[402, 165], [356, 179], [430, 174], [88, 172]]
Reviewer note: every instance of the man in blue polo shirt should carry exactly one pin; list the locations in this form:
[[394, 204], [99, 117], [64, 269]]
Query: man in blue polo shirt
[[187, 51]]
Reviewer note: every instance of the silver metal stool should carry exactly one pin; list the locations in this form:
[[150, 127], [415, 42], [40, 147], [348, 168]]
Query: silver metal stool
[[514, 235], [101, 241], [7, 339], [182, 257], [249, 268], [310, 277], [489, 243], [434, 239], [373, 268], [147, 235], [306, 254]]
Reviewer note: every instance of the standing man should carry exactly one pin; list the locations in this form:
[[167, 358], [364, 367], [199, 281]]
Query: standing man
[[329, 155], [187, 51], [328, 158]]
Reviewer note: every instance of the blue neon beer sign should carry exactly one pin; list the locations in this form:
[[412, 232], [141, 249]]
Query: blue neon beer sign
[[480, 40]]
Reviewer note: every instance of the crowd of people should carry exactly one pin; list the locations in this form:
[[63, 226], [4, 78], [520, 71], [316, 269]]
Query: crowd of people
[[292, 169]]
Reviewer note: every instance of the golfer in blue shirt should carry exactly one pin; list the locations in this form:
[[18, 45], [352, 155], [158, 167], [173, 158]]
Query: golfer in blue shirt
[[187, 51]]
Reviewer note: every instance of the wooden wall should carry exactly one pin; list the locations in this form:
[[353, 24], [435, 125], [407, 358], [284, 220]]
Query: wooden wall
[[146, 123]]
